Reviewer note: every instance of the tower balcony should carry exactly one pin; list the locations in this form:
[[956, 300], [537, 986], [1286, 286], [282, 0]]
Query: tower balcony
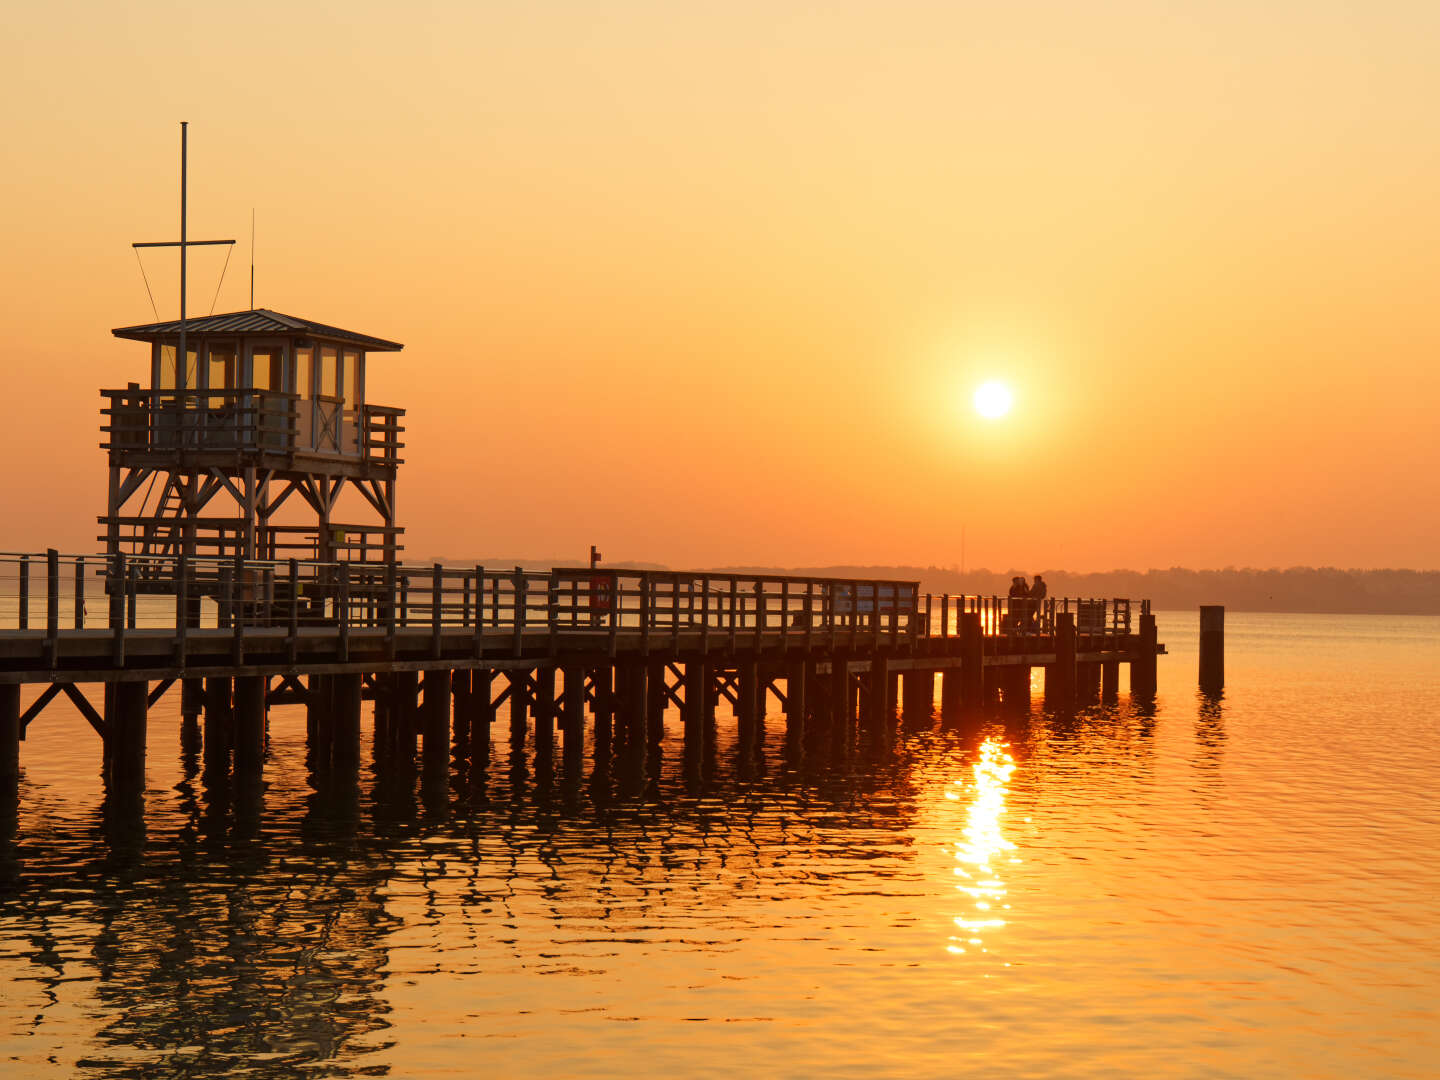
[[157, 427]]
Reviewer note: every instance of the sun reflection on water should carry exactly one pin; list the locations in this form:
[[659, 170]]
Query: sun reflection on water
[[982, 846]]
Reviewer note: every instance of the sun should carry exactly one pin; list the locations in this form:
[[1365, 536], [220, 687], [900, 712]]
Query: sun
[[993, 399]]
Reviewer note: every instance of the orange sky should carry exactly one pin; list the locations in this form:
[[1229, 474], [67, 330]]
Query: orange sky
[[712, 283]]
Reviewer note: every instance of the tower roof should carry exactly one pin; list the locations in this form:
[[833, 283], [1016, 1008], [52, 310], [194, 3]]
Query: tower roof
[[257, 322]]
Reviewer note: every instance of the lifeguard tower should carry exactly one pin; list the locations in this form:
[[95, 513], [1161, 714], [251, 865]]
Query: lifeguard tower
[[265, 410]]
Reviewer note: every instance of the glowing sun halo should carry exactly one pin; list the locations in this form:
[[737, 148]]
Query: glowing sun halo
[[993, 400]]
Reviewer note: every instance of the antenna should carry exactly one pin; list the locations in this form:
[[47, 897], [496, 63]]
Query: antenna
[[184, 244], [252, 258]]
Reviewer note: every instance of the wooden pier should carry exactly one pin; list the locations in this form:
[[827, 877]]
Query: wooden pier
[[443, 651]]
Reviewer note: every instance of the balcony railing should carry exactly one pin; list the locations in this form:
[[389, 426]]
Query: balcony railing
[[249, 420]]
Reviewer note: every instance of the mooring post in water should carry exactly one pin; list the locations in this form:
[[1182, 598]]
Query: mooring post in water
[[1212, 648], [1143, 666]]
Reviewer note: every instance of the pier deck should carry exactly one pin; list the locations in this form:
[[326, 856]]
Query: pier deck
[[439, 649]]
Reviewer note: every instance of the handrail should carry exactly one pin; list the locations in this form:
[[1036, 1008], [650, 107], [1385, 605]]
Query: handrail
[[662, 607]]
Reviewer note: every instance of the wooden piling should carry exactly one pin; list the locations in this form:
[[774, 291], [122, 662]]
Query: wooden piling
[[1212, 648], [880, 704], [572, 721], [545, 720], [482, 717], [919, 695], [9, 741], [406, 719], [697, 693], [435, 720], [950, 692], [656, 700], [249, 725], [972, 660], [747, 709], [1060, 676], [346, 696], [218, 723], [1087, 683], [1110, 681], [796, 692], [519, 706], [127, 757], [1143, 682]]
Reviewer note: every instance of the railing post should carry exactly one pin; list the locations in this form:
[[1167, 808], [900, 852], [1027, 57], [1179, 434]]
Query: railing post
[[117, 609], [784, 612], [552, 590], [735, 614], [342, 608], [704, 620], [519, 613], [24, 592], [52, 606], [237, 620], [437, 586], [80, 592], [132, 591], [760, 613], [644, 613], [479, 611], [292, 635], [182, 604], [809, 618], [945, 616]]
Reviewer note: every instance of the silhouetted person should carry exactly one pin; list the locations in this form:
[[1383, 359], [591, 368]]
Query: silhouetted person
[[1038, 592], [1019, 595]]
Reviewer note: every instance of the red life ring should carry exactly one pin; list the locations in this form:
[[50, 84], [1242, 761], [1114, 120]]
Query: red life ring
[[602, 586]]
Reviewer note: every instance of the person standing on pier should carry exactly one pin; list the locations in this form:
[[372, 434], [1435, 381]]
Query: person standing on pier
[[1019, 596], [1038, 592]]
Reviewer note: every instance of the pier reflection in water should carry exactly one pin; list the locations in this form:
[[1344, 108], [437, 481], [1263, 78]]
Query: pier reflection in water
[[1086, 895]]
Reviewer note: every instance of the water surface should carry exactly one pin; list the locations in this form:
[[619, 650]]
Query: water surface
[[1241, 887]]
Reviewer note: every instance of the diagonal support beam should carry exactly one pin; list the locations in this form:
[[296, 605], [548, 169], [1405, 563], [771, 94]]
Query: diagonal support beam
[[87, 710]]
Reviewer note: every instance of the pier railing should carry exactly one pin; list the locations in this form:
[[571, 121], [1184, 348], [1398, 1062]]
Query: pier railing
[[53, 592]]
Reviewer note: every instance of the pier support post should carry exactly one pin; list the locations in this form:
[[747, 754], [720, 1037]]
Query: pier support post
[[435, 721], [879, 706], [604, 708], [1060, 676], [572, 722], [482, 704], [519, 707], [841, 705], [460, 712], [797, 677], [346, 693], [545, 721], [405, 717], [1087, 683], [751, 694], [656, 700], [127, 757], [950, 693], [9, 742], [972, 660], [631, 684], [249, 724], [1110, 681], [1143, 667], [919, 695], [1212, 648], [697, 696], [218, 723]]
